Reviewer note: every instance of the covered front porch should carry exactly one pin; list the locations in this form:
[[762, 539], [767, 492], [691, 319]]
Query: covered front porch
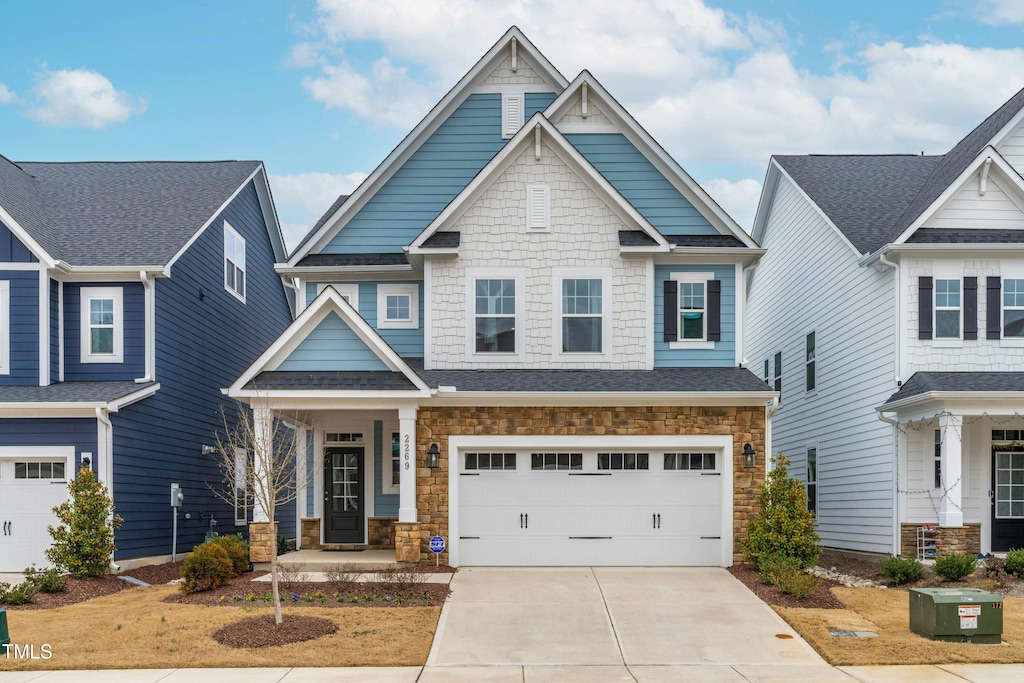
[[960, 463]]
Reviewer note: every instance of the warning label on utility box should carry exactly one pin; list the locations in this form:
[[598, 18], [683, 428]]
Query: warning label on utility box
[[969, 616]]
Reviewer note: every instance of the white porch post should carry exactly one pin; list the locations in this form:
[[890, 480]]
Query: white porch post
[[407, 466], [263, 435], [951, 506]]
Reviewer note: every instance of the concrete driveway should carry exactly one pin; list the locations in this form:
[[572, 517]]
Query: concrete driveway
[[614, 624]]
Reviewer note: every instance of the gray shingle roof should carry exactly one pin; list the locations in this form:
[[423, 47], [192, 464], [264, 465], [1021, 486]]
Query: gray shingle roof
[[71, 392], [117, 213], [314, 260], [924, 382], [864, 195], [369, 380], [342, 198], [442, 240], [945, 236], [705, 241], [635, 238]]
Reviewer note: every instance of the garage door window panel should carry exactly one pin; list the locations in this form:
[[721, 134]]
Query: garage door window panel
[[39, 470], [490, 461], [623, 461], [690, 461], [556, 461]]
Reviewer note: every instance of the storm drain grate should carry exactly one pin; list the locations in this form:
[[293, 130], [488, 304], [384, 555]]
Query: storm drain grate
[[842, 633]]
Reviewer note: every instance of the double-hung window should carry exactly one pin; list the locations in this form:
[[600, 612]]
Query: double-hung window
[[495, 315], [234, 262], [693, 310], [947, 309], [5, 327], [1013, 308], [398, 306], [778, 372], [582, 315], [102, 329], [241, 486], [812, 480], [811, 377]]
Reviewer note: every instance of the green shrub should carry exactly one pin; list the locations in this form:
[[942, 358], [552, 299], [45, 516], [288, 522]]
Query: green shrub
[[283, 546], [955, 566], [901, 570], [83, 542], [49, 580], [237, 550], [783, 524], [21, 594], [206, 567], [1015, 562], [772, 565], [797, 583]]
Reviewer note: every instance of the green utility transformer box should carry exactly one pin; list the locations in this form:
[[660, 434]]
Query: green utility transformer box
[[958, 615], [5, 637]]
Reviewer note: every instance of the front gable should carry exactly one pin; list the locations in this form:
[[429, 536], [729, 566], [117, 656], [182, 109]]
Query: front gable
[[12, 249], [332, 345]]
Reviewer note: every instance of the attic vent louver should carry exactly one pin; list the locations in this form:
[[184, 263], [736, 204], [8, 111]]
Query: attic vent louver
[[512, 114]]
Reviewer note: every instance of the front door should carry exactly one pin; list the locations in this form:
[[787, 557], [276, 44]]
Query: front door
[[1007, 499], [343, 494]]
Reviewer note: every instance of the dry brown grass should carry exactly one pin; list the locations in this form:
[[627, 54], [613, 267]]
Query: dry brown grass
[[134, 630], [887, 612]]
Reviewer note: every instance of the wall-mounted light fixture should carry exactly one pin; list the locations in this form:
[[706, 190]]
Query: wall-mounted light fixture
[[748, 456], [433, 457], [209, 450]]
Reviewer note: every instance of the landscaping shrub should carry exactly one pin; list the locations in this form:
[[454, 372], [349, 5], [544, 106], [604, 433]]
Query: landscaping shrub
[[901, 570], [237, 550], [1015, 561], [955, 566], [21, 594], [783, 524], [772, 565], [206, 567], [283, 546], [83, 542], [797, 583], [49, 580]]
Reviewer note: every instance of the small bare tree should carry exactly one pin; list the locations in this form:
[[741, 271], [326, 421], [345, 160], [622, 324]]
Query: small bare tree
[[273, 477]]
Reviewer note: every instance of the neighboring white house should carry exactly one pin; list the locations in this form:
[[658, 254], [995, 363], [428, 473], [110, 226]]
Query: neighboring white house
[[889, 310]]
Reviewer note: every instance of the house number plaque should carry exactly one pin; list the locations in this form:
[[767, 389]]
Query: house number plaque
[[406, 452]]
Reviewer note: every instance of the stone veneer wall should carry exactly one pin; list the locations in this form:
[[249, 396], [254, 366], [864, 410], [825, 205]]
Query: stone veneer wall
[[311, 533], [262, 539], [965, 539], [435, 425], [381, 533]]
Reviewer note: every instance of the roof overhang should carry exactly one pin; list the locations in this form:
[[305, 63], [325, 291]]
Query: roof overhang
[[73, 409], [450, 396], [333, 271], [929, 404]]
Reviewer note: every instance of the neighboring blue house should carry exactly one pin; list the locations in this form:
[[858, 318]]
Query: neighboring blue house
[[889, 310], [130, 293], [523, 332]]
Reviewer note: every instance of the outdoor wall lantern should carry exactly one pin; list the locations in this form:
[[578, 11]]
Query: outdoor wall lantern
[[433, 457], [748, 456]]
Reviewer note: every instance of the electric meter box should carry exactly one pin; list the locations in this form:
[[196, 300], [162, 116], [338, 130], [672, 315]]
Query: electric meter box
[[958, 615]]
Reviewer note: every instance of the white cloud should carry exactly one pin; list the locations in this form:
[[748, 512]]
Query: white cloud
[[739, 199], [83, 99], [996, 12], [386, 95], [303, 197], [6, 96]]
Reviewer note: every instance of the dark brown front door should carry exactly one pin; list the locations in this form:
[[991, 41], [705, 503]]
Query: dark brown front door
[[343, 494], [1007, 499]]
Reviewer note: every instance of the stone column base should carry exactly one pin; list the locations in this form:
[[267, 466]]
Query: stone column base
[[261, 536], [311, 533], [407, 542], [961, 539]]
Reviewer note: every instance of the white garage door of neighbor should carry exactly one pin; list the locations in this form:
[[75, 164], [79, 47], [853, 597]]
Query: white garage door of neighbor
[[30, 487], [591, 508]]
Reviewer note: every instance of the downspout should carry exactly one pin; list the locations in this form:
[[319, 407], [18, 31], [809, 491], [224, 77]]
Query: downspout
[[108, 462], [896, 540], [741, 341], [770, 411], [896, 315], [150, 327]]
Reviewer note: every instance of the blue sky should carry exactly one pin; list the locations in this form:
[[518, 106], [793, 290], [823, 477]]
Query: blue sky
[[323, 90]]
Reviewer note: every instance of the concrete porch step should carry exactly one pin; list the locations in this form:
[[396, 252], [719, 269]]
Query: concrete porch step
[[321, 561]]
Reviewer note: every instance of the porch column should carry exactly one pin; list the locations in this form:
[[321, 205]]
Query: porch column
[[951, 455], [407, 466], [263, 444]]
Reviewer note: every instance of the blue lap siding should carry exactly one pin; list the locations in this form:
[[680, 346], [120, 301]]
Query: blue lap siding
[[77, 432], [206, 338], [24, 338], [724, 352], [54, 331], [134, 364], [406, 343], [12, 250]]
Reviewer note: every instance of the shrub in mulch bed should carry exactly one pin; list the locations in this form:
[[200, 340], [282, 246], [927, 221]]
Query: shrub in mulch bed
[[261, 631], [77, 590], [820, 598]]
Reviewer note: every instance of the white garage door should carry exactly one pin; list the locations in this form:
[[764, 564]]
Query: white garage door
[[591, 508], [30, 487]]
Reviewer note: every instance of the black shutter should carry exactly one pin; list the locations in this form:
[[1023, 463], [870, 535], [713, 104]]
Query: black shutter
[[924, 308], [671, 315], [970, 308], [993, 300], [714, 310]]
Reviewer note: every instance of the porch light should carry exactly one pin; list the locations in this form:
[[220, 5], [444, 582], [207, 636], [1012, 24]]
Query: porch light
[[748, 456], [433, 457]]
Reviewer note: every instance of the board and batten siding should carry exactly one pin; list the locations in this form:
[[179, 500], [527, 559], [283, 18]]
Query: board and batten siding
[[968, 210], [24, 327], [636, 179], [407, 343], [724, 352], [434, 174], [1012, 148], [205, 339], [809, 281], [134, 317]]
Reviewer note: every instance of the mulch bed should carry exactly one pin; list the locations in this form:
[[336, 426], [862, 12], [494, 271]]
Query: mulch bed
[[156, 574], [821, 598], [78, 590], [261, 631]]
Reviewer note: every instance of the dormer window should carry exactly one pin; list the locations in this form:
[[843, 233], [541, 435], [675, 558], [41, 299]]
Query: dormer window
[[512, 107]]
